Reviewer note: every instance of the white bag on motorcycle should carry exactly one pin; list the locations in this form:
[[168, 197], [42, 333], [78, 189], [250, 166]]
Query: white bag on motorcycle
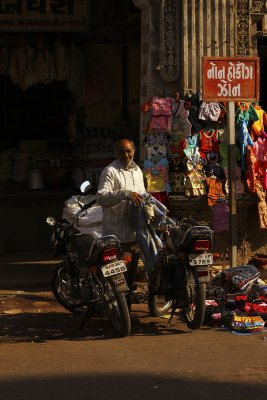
[[91, 221]]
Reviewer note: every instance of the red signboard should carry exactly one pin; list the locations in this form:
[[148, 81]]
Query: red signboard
[[230, 79]]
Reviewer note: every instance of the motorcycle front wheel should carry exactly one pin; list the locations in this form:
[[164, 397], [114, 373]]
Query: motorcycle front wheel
[[117, 310], [63, 289], [194, 310]]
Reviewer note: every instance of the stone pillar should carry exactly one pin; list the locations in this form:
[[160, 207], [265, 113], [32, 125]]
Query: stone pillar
[[149, 55]]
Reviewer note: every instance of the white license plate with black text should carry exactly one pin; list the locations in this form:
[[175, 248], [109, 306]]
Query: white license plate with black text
[[201, 259], [114, 268]]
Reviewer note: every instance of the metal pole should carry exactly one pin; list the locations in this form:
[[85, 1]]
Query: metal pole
[[232, 185]]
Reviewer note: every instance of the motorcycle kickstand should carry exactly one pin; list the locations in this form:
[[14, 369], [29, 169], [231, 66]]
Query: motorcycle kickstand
[[172, 314], [86, 314]]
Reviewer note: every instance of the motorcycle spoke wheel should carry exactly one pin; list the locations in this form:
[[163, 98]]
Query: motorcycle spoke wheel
[[62, 288], [117, 311], [194, 310]]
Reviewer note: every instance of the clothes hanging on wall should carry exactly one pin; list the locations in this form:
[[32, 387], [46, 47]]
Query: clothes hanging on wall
[[180, 121], [209, 142], [156, 176], [255, 179], [215, 190], [195, 184], [258, 126], [209, 111], [161, 114]]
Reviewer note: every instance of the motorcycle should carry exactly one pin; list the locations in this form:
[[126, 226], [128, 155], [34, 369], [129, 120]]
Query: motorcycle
[[179, 279], [90, 280]]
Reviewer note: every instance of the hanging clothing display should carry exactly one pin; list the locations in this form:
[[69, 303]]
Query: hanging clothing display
[[156, 152], [21, 68], [256, 181], [209, 142], [196, 149], [209, 111], [180, 121], [161, 114], [260, 149], [262, 205], [156, 176], [176, 175], [215, 190], [244, 140], [195, 184], [258, 126]]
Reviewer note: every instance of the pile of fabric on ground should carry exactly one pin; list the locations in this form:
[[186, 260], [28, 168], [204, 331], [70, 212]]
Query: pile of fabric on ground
[[237, 300]]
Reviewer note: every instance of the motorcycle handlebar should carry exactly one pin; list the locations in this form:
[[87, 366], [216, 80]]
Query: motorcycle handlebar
[[88, 205]]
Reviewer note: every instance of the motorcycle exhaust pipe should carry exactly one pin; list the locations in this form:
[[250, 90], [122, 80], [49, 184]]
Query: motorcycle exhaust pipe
[[137, 298]]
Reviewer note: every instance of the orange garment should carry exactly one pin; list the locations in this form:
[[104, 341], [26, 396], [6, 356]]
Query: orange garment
[[262, 206], [259, 125], [254, 180], [214, 190], [251, 170]]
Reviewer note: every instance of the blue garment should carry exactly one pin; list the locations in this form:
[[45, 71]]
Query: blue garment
[[244, 140], [145, 229]]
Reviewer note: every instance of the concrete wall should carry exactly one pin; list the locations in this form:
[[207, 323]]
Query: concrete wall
[[23, 225]]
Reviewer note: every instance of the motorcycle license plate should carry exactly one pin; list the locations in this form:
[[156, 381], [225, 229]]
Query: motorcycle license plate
[[113, 268], [201, 259]]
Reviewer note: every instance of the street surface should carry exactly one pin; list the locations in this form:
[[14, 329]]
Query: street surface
[[45, 356]]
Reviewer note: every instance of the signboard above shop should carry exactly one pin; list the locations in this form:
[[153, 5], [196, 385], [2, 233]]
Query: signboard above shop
[[44, 15], [230, 79]]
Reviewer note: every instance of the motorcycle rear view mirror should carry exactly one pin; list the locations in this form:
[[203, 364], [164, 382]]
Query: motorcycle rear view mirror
[[85, 187], [50, 221]]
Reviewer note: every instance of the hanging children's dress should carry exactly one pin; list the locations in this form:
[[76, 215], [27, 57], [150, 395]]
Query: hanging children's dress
[[157, 176], [195, 180], [156, 152], [209, 111], [157, 179], [215, 190], [176, 175], [209, 142], [161, 114], [180, 121]]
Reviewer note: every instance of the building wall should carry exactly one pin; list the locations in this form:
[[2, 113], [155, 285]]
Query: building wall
[[208, 30]]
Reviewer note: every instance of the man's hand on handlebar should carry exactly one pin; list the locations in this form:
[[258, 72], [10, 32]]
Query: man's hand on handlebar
[[136, 198]]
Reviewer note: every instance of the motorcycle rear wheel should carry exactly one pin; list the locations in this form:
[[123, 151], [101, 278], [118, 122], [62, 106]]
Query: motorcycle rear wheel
[[194, 311], [117, 311], [61, 282]]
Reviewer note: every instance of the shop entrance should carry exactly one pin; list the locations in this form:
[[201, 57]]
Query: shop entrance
[[66, 97], [62, 125]]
